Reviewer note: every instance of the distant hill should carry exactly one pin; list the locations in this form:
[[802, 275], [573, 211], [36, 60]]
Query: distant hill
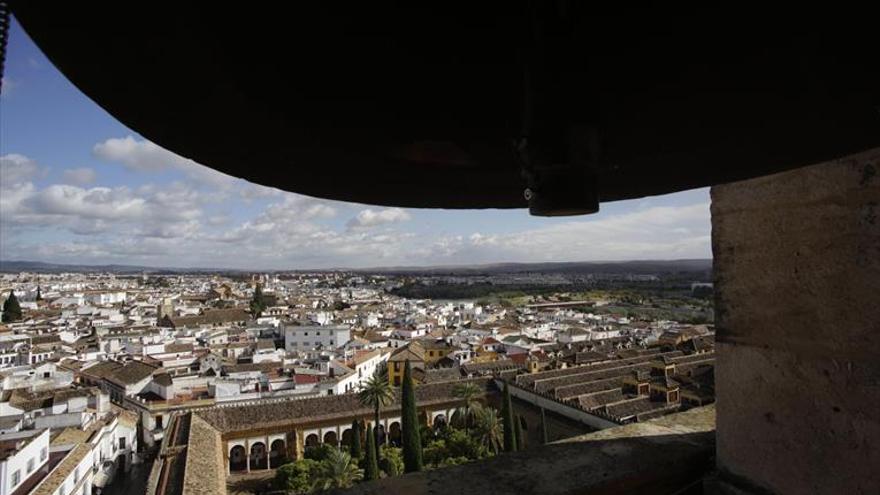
[[581, 267], [42, 267]]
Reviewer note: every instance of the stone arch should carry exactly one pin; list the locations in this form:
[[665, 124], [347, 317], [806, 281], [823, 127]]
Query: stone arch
[[277, 454], [259, 456], [237, 458], [347, 437], [440, 421], [312, 440], [330, 437], [394, 433]]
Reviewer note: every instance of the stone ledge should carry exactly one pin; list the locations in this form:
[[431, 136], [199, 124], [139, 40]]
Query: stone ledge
[[658, 456]]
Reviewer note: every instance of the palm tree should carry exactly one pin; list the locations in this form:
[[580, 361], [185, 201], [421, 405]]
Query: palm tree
[[376, 392], [469, 393], [338, 470], [489, 430]]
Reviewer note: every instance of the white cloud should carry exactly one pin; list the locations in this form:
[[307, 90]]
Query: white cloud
[[7, 85], [371, 218], [97, 202], [137, 155], [661, 232], [146, 156], [16, 170], [82, 176], [188, 223]]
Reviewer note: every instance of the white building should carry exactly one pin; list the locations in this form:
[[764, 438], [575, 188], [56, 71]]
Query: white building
[[304, 338], [21, 457]]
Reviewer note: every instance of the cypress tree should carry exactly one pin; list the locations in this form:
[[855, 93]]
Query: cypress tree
[[39, 294], [544, 436], [517, 430], [412, 441], [355, 439], [258, 303], [11, 309], [507, 419], [371, 464]]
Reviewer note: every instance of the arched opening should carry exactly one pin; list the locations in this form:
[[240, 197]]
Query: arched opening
[[259, 458], [347, 437], [394, 435], [440, 422], [237, 459], [423, 418], [277, 455], [330, 438], [312, 440]]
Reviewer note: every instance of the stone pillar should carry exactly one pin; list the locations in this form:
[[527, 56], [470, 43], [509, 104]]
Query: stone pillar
[[247, 454], [300, 445], [797, 281]]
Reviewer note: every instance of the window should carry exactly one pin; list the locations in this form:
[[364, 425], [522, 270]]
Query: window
[[122, 442], [76, 476], [44, 453], [318, 333], [16, 477], [32, 463]]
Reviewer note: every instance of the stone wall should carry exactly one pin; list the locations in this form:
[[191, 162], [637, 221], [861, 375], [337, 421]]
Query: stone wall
[[659, 456], [797, 280]]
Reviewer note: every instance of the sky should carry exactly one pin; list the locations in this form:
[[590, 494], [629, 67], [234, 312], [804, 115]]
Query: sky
[[77, 186]]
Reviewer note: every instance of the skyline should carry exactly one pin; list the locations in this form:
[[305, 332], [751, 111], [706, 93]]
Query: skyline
[[79, 187]]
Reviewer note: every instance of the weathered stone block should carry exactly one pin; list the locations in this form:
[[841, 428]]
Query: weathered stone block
[[797, 279]]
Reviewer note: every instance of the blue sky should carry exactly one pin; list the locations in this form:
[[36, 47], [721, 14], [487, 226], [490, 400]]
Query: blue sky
[[77, 186]]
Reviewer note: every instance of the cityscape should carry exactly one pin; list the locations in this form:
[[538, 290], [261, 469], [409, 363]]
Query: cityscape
[[274, 380], [431, 248]]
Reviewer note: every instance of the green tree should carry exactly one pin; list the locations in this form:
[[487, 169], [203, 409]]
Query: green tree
[[371, 464], [376, 392], [412, 442], [508, 419], [517, 430], [544, 436], [488, 429], [460, 444], [356, 439], [469, 393], [11, 309], [319, 452], [435, 452], [296, 477], [392, 460], [338, 470], [258, 302]]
